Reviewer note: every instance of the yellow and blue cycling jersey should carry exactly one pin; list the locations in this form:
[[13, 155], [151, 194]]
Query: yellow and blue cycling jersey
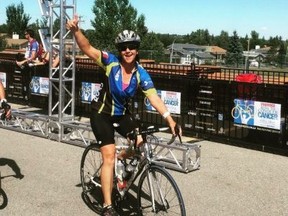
[[113, 100]]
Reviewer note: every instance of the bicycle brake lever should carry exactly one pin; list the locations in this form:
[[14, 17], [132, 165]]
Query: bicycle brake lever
[[172, 139], [177, 131], [180, 139]]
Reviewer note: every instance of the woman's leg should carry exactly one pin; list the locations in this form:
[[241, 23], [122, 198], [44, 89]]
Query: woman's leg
[[107, 172], [104, 133]]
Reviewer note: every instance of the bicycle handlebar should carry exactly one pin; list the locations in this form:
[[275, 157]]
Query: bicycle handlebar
[[153, 129]]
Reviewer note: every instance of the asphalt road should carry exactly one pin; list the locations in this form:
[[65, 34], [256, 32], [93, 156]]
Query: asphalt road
[[231, 181]]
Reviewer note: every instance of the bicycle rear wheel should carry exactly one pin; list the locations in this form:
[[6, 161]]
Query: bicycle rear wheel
[[90, 170], [158, 193]]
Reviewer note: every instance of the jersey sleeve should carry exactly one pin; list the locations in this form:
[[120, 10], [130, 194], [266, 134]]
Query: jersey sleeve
[[146, 82], [34, 46], [106, 59]]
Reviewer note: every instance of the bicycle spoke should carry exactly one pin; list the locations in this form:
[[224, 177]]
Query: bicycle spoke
[[158, 194]]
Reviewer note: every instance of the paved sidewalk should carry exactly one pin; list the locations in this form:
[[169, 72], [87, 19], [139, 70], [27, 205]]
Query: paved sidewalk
[[231, 181]]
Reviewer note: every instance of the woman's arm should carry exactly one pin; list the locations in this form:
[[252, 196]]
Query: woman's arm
[[81, 40], [159, 105]]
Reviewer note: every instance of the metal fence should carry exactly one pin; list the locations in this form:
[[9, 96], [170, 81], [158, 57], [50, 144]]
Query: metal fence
[[208, 102]]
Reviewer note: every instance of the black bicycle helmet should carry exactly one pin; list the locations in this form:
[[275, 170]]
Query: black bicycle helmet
[[127, 36]]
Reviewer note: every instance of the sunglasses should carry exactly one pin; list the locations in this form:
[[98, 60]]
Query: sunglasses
[[124, 47]]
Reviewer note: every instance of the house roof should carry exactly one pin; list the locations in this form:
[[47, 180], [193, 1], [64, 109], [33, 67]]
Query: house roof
[[215, 50], [3, 34], [204, 55], [186, 49], [263, 50], [253, 54], [20, 42]]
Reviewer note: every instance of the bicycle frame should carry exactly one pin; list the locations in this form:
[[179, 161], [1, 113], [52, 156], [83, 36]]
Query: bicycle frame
[[144, 164]]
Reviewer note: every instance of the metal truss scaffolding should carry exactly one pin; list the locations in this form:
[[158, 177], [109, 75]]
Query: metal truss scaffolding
[[62, 77]]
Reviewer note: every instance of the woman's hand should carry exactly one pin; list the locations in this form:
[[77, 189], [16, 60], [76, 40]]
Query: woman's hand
[[72, 25], [175, 129]]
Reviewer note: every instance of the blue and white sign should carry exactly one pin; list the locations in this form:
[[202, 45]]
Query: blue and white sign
[[39, 85], [90, 91], [171, 99], [243, 112], [257, 113], [267, 115]]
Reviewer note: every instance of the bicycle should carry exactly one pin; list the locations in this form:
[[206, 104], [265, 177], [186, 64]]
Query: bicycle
[[157, 191], [245, 108]]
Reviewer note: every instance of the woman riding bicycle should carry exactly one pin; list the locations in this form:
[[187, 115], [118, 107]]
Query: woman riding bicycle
[[123, 76]]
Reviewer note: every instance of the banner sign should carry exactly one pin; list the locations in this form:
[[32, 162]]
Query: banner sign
[[257, 114], [3, 78], [267, 115], [39, 85], [171, 99], [90, 91]]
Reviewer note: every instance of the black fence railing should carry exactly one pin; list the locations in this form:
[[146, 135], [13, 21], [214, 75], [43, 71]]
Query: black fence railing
[[207, 101]]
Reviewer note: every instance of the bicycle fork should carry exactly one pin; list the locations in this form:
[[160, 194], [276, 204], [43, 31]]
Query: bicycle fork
[[154, 184]]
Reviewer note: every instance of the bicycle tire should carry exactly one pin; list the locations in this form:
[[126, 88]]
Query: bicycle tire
[[3, 199], [173, 205], [90, 166]]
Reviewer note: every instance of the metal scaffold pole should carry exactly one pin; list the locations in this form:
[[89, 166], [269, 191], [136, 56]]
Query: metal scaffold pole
[[62, 85], [61, 107]]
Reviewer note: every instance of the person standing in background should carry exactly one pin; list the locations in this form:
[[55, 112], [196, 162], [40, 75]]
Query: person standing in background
[[31, 50]]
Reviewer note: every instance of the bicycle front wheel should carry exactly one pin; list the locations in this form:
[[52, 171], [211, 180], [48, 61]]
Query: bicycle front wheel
[[3, 199], [158, 193], [90, 170]]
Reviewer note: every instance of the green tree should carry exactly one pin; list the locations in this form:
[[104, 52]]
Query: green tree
[[200, 37], [90, 34], [222, 40], [3, 28], [17, 21], [3, 43], [281, 55], [235, 50], [112, 17], [152, 48]]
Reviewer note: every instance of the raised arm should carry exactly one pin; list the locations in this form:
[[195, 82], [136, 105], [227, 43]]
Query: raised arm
[[81, 40]]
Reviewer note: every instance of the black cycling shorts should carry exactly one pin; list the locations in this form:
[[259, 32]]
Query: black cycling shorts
[[103, 126]]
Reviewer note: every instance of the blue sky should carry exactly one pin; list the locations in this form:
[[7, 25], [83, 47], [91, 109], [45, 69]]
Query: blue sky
[[267, 17]]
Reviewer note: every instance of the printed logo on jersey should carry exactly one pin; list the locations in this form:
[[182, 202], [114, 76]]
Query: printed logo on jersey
[[117, 75], [105, 54], [147, 85]]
